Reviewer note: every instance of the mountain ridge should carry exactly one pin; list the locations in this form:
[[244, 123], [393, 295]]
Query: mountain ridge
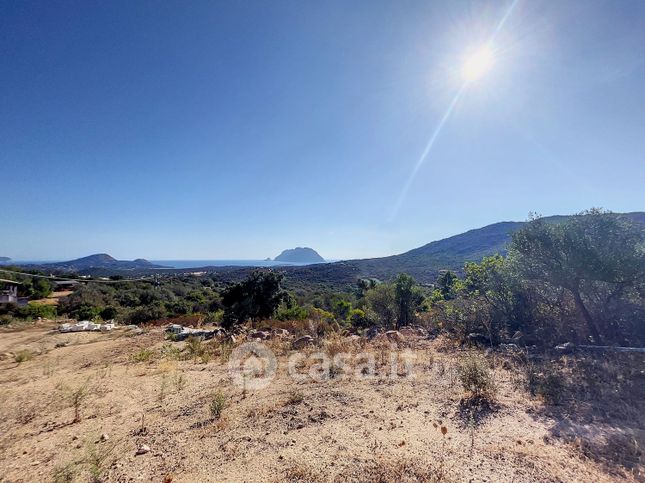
[[451, 253], [101, 261]]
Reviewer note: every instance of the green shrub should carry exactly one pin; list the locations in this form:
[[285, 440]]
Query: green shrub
[[109, 313], [214, 318], [143, 355], [195, 347], [217, 405], [291, 313], [476, 378], [33, 311], [147, 313], [357, 318], [86, 312]]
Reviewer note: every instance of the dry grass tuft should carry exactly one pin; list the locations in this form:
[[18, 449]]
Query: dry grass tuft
[[387, 469], [23, 355]]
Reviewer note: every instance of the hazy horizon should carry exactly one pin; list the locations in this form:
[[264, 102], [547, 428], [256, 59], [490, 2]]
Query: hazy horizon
[[257, 258], [236, 130]]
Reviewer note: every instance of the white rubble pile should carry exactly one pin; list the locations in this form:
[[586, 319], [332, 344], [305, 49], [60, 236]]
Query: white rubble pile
[[86, 326]]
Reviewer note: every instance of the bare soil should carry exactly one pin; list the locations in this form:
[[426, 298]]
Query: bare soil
[[134, 390]]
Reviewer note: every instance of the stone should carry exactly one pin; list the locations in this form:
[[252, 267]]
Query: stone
[[509, 347], [302, 342], [566, 347], [371, 332], [143, 449], [409, 331], [259, 334], [394, 336], [104, 437]]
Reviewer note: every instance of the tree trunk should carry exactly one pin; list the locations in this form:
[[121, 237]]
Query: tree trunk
[[591, 325]]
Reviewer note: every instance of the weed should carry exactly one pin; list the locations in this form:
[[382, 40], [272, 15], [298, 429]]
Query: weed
[[23, 355], [206, 357], [171, 352], [96, 458], [163, 387], [226, 350], [545, 382], [217, 405], [179, 381], [105, 371], [144, 355], [295, 397], [64, 473], [195, 348], [76, 396], [49, 368]]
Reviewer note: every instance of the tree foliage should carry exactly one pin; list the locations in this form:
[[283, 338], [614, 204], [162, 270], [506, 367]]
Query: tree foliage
[[257, 297], [595, 257], [408, 297]]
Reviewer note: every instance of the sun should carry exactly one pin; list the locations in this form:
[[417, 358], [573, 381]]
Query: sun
[[477, 63]]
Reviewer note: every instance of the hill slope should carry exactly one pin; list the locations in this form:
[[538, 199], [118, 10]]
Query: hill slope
[[103, 261], [424, 263]]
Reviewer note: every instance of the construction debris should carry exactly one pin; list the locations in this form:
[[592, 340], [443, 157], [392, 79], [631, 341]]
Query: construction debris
[[179, 332], [86, 326]]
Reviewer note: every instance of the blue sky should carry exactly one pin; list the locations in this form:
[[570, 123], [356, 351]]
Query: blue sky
[[237, 129]]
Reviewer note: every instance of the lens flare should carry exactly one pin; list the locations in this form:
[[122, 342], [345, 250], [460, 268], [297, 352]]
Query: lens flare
[[478, 63]]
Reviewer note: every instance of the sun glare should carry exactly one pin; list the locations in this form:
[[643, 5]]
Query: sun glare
[[477, 64]]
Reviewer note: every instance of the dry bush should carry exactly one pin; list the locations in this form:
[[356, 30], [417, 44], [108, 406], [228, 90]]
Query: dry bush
[[300, 473], [544, 380], [315, 326], [278, 346], [387, 469], [383, 350], [476, 377], [295, 397], [336, 344]]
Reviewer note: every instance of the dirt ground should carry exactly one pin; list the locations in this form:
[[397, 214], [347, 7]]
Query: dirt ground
[[137, 393]]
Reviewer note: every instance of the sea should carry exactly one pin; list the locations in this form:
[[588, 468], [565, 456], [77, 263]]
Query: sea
[[220, 263], [181, 263]]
